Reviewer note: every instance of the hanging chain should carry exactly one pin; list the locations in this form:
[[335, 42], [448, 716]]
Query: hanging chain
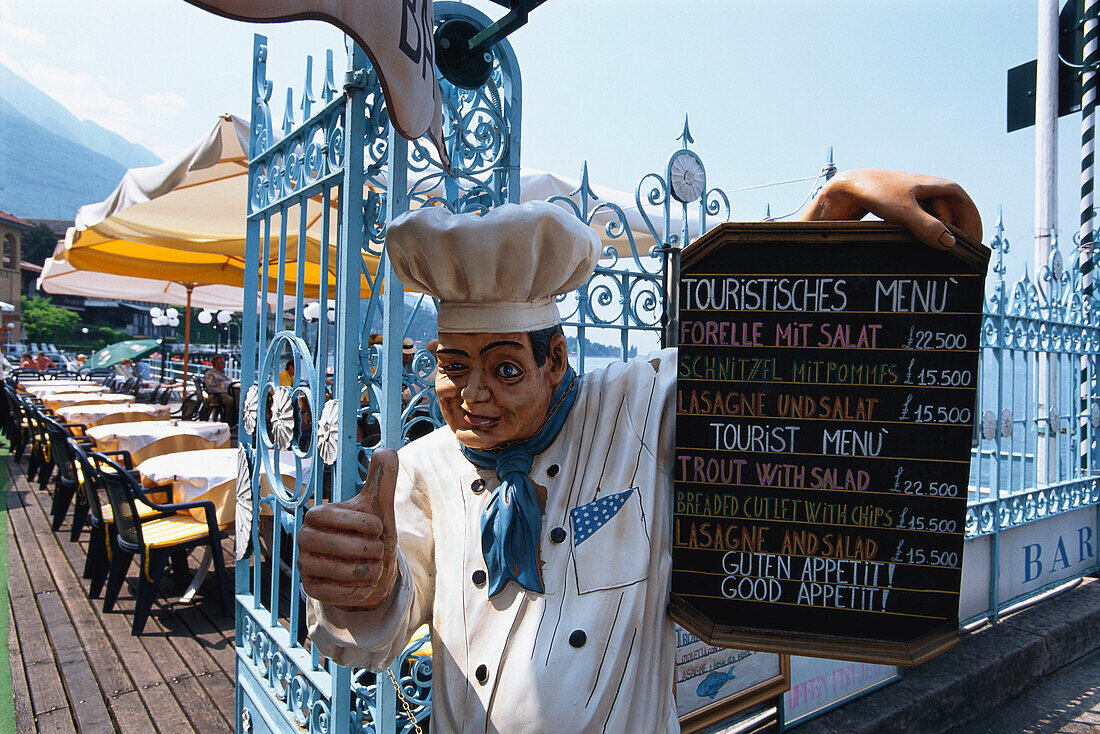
[[404, 703]]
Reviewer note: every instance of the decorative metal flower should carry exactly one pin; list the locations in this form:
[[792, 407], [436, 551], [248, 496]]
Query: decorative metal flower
[[251, 403], [328, 431], [243, 533], [989, 425], [282, 417]]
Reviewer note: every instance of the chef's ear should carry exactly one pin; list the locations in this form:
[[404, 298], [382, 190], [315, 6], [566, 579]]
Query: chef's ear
[[557, 358]]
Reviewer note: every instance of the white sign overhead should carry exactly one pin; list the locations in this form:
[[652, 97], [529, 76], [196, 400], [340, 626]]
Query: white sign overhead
[[397, 36]]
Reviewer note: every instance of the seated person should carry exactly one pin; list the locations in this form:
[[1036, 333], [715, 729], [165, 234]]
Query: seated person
[[26, 362], [141, 371], [216, 384], [124, 370], [286, 377], [42, 362]]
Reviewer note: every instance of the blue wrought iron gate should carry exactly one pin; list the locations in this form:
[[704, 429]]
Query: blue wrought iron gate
[[320, 194]]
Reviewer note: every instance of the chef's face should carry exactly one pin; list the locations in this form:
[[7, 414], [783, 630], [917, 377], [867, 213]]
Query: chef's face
[[490, 390]]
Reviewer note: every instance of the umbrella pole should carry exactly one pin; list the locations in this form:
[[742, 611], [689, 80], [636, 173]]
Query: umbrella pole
[[187, 340]]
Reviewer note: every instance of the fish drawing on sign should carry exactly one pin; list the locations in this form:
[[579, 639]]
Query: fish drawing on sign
[[713, 683]]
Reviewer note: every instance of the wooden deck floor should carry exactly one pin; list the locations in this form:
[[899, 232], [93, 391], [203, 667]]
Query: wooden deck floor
[[75, 668]]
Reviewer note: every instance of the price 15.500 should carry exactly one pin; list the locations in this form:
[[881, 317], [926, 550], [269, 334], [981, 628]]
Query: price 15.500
[[905, 553], [933, 413], [937, 378], [919, 522]]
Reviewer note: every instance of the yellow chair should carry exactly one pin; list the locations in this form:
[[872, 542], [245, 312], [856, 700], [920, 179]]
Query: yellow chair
[[156, 541]]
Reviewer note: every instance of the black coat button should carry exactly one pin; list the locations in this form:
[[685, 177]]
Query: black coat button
[[557, 535], [552, 470], [482, 674], [577, 638], [479, 577], [477, 485]]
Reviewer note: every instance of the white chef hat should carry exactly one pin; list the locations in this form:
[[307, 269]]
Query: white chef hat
[[493, 273]]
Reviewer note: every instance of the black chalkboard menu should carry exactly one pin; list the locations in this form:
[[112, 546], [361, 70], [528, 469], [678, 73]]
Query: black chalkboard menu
[[825, 407]]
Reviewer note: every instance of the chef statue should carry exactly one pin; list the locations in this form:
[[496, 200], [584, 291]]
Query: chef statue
[[532, 531]]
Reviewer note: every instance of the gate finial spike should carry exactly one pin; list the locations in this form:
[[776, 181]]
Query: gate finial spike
[[307, 91], [288, 112], [686, 134], [329, 91], [829, 169], [584, 190]]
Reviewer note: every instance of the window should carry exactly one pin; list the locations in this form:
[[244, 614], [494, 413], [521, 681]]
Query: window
[[10, 249]]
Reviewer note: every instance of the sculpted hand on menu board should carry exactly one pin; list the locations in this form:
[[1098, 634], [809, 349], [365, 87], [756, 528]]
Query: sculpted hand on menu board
[[346, 549], [919, 203]]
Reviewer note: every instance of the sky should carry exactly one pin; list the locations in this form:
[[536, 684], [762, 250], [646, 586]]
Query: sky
[[767, 87]]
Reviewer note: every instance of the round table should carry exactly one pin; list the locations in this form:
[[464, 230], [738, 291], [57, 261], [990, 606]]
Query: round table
[[64, 387], [100, 414], [146, 439], [56, 400], [207, 475]]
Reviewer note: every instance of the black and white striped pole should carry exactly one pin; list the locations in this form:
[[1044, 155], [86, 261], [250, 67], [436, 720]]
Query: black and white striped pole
[[1091, 55], [1086, 250]]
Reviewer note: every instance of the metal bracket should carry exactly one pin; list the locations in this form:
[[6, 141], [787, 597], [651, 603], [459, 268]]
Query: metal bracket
[[516, 17], [463, 51], [355, 79]]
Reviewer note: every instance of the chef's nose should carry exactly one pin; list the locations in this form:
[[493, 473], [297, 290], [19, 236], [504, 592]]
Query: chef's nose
[[476, 389]]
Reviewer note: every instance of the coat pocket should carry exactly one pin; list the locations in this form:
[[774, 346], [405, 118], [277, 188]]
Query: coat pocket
[[610, 542]]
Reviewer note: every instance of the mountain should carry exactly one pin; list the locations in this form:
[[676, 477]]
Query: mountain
[[44, 175], [43, 110]]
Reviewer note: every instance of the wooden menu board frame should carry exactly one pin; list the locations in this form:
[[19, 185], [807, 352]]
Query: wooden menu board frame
[[847, 262]]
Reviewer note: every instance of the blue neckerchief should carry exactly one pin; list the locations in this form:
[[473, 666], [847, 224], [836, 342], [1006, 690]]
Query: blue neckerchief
[[511, 522]]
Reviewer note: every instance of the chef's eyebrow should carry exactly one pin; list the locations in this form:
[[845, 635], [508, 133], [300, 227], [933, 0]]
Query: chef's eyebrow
[[457, 352], [501, 343]]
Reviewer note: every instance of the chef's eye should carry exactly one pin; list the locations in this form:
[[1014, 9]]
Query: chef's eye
[[508, 371], [452, 367]]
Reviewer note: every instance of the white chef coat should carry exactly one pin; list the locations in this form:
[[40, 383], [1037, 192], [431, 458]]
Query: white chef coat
[[594, 652]]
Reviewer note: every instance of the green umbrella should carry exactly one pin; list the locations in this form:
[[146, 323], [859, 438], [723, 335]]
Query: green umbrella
[[115, 353]]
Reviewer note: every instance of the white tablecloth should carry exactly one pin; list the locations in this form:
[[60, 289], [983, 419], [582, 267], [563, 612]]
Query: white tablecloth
[[206, 475], [52, 388], [56, 400], [90, 414], [139, 436]]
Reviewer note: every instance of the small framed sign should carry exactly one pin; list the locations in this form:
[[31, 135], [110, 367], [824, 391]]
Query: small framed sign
[[825, 405], [714, 683], [819, 685]]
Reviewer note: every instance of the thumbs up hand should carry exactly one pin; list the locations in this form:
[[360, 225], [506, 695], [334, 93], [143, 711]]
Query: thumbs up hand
[[346, 549]]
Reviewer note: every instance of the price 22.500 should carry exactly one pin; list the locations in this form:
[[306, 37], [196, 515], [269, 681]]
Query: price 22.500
[[934, 340]]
